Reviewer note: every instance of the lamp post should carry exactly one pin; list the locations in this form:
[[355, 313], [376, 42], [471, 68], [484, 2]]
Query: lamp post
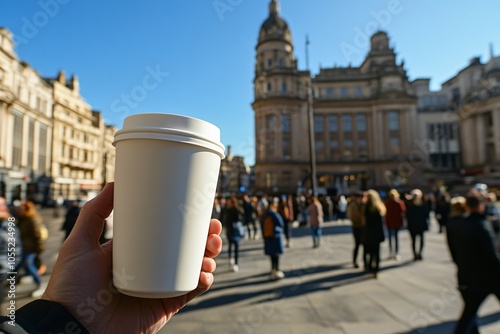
[[310, 121]]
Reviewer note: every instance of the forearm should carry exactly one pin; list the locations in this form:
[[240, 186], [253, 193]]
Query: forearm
[[41, 316]]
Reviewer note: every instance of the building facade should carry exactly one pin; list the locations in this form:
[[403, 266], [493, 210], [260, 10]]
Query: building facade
[[25, 127], [438, 135], [363, 119], [52, 144], [476, 91], [78, 134]]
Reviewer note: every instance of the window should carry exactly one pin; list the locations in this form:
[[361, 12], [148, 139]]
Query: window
[[286, 147], [270, 145], [344, 92], [362, 148], [358, 91], [270, 180], [348, 144], [285, 123], [330, 92], [393, 117], [31, 140], [17, 142], [361, 123], [269, 62], [320, 148], [280, 62], [395, 146], [333, 123], [347, 123], [283, 87], [318, 124], [285, 137], [269, 86], [334, 146], [426, 101], [42, 148]]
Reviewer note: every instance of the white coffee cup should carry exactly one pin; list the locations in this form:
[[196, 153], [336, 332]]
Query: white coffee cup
[[166, 174]]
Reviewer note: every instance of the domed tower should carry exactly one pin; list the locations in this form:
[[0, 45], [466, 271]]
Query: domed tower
[[279, 104]]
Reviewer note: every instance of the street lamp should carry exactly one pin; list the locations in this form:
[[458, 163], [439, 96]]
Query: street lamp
[[310, 121]]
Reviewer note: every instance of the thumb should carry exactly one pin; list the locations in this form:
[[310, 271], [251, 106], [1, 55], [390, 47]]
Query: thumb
[[90, 223]]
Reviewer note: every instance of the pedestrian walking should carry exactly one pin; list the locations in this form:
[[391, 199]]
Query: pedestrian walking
[[315, 213], [375, 211], [250, 217], [442, 209], [31, 228], [355, 212], [417, 217], [272, 232], [396, 210], [472, 248], [70, 218], [284, 211], [342, 208], [235, 231]]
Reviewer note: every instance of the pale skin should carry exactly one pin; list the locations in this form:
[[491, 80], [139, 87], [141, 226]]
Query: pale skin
[[82, 278]]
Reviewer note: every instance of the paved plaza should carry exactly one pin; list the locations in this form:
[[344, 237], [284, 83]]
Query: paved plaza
[[322, 292]]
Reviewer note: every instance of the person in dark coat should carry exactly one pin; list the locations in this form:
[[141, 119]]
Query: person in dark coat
[[417, 217], [472, 248], [442, 209], [375, 210], [355, 212], [233, 214], [70, 218], [272, 231]]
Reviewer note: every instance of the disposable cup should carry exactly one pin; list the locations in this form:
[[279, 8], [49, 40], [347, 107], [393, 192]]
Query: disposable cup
[[166, 174]]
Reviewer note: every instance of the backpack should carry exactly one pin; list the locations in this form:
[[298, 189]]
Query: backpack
[[268, 227]]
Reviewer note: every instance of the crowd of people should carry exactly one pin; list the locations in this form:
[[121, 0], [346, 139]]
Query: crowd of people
[[471, 223]]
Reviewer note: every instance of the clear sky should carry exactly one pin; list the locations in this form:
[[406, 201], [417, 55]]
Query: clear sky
[[197, 57]]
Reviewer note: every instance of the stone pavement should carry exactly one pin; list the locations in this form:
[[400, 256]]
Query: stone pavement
[[321, 293]]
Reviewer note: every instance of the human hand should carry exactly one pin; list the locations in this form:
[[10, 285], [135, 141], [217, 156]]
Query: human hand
[[82, 279]]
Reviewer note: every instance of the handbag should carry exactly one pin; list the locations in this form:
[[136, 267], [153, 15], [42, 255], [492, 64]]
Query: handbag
[[239, 230]]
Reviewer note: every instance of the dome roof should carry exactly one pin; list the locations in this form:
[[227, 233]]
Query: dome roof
[[274, 27]]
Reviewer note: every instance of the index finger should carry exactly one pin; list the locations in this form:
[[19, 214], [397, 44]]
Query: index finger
[[215, 227]]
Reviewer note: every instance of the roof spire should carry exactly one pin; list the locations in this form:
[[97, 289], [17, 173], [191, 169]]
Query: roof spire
[[274, 7]]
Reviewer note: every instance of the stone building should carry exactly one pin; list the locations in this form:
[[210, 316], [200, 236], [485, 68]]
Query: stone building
[[438, 135], [476, 93], [363, 117], [77, 141], [234, 175], [109, 154], [25, 127]]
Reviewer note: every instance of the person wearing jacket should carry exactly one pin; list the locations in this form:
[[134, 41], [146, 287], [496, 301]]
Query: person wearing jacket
[[355, 213], [374, 231], [272, 232], [315, 213], [417, 217], [396, 210], [472, 248], [30, 226], [231, 219]]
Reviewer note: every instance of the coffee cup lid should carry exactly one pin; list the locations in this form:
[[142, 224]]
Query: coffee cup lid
[[171, 127]]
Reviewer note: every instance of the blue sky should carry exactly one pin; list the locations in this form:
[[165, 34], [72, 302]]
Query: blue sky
[[197, 57]]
